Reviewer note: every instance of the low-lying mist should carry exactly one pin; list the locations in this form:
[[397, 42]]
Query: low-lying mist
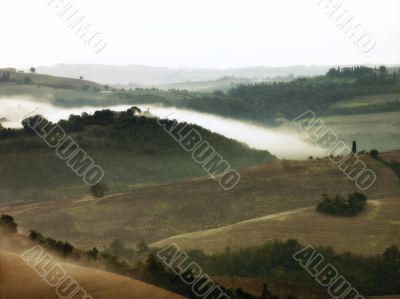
[[285, 143]]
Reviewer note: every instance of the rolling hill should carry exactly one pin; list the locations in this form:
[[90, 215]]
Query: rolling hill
[[55, 81], [133, 150], [153, 75], [157, 212], [375, 229], [19, 280]]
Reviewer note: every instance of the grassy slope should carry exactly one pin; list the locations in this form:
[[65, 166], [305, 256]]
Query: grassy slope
[[367, 100], [54, 81], [370, 232], [74, 96], [393, 156], [18, 280], [154, 213], [136, 155]]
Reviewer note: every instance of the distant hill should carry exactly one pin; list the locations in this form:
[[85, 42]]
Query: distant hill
[[55, 81], [269, 102], [153, 75], [18, 280]]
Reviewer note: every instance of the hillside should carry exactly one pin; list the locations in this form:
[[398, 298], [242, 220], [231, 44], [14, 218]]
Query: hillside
[[18, 280], [54, 81], [153, 75], [157, 212], [371, 232], [70, 93], [133, 150]]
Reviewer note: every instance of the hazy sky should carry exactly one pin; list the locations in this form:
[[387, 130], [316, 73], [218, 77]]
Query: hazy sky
[[207, 33]]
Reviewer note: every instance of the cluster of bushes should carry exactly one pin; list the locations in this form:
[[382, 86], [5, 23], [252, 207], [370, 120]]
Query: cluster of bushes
[[338, 205], [7, 225], [364, 75], [65, 248], [98, 190], [119, 249], [371, 275], [351, 72], [149, 269], [7, 132]]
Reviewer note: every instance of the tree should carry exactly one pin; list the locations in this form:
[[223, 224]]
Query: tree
[[134, 110], [36, 121], [67, 249], [117, 248], [80, 77], [92, 254], [392, 254], [266, 294], [382, 71], [354, 147], [142, 248], [28, 80], [8, 225], [374, 153], [337, 205], [106, 87], [36, 236], [154, 266], [99, 190], [32, 70], [333, 72]]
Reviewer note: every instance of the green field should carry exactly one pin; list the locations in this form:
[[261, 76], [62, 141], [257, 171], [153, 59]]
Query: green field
[[371, 131], [367, 100]]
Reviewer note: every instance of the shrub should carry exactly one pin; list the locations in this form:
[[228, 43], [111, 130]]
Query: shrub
[[99, 190], [7, 225], [374, 153], [28, 80], [350, 206]]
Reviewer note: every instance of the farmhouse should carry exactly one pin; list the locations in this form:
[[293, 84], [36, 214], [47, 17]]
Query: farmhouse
[[5, 73]]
